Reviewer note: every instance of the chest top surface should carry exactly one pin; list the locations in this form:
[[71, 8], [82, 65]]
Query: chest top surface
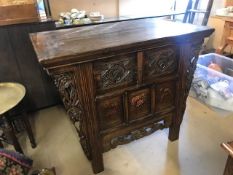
[[54, 46]]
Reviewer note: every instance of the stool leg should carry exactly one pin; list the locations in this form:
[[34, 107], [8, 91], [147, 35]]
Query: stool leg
[[9, 132], [1, 145], [29, 130], [229, 166]]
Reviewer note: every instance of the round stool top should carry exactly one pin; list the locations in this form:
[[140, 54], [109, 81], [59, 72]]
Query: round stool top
[[10, 95]]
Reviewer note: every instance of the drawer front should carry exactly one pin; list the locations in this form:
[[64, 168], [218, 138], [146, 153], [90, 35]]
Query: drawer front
[[139, 104], [116, 72], [160, 61], [165, 96], [134, 105], [110, 112]]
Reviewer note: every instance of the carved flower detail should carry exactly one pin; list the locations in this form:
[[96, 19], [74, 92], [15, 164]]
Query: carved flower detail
[[138, 100]]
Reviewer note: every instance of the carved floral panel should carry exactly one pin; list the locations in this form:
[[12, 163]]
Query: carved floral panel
[[160, 61], [136, 134], [165, 96], [139, 104], [118, 71], [190, 67], [65, 82]]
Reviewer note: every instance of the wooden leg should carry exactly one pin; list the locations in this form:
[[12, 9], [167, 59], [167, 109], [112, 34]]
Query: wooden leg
[[174, 131], [86, 89], [98, 164], [1, 145], [229, 166], [221, 49], [29, 130], [9, 132]]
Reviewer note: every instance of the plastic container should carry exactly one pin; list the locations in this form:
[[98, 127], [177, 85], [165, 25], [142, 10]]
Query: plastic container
[[213, 81]]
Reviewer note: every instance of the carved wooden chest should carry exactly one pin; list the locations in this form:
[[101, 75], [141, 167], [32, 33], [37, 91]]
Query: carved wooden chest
[[122, 81]]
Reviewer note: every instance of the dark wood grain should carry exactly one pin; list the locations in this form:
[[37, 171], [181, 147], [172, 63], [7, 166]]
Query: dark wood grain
[[9, 70], [132, 77], [87, 94], [110, 111], [140, 69], [66, 46]]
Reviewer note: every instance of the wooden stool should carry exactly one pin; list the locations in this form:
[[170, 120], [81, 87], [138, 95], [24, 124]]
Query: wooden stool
[[227, 38], [229, 165], [11, 94]]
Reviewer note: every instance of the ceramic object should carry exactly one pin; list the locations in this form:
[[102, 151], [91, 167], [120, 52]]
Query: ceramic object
[[96, 16]]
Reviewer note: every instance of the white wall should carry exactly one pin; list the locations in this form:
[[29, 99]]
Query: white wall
[[143, 7], [112, 8], [152, 7], [107, 7], [216, 5]]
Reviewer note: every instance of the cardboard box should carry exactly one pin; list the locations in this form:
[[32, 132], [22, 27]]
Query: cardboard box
[[14, 12]]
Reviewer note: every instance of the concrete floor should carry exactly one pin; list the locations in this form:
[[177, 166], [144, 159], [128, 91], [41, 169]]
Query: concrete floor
[[197, 152]]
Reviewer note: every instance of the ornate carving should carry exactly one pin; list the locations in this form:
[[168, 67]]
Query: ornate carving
[[65, 83], [191, 66], [139, 104], [190, 69], [115, 73], [134, 135], [138, 100], [112, 107], [109, 112], [66, 87], [195, 50], [161, 61], [166, 95]]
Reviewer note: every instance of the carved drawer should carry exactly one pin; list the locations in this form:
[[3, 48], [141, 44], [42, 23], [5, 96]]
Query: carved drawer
[[165, 96], [139, 104], [119, 71], [160, 61], [110, 112]]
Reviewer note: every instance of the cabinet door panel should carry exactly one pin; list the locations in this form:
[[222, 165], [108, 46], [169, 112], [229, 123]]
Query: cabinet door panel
[[41, 91], [165, 96], [116, 72], [8, 65], [110, 112], [139, 104], [160, 61]]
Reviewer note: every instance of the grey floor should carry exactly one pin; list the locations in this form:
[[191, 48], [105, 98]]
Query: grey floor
[[197, 152]]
